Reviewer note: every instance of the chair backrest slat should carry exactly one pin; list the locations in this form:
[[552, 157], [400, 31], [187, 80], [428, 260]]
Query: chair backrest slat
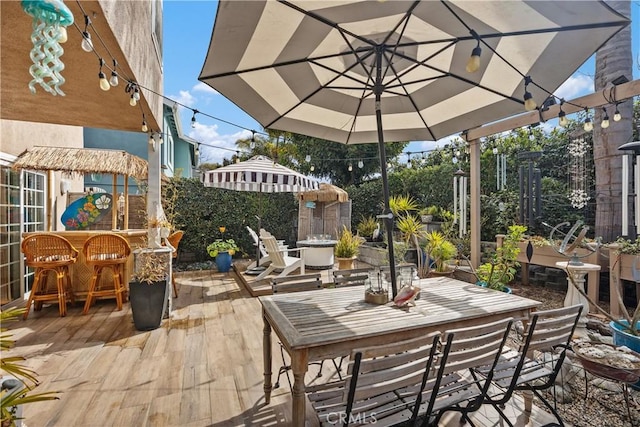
[[389, 368], [274, 252], [297, 283], [352, 277]]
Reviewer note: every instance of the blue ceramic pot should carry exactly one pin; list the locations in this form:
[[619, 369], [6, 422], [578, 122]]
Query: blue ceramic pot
[[506, 289], [223, 262], [621, 337]]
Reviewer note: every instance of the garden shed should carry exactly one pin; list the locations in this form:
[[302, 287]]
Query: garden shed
[[323, 211]]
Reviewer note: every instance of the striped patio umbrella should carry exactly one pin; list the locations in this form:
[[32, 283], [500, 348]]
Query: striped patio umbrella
[[259, 174], [262, 175], [376, 71]]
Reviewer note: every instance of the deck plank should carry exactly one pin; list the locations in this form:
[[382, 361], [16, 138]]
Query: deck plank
[[202, 367]]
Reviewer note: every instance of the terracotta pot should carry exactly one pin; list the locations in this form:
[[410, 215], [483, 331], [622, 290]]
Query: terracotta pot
[[346, 263]]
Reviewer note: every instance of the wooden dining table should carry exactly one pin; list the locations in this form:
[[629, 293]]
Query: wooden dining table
[[329, 323]]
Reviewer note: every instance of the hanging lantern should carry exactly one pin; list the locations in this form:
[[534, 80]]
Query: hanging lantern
[[50, 17]]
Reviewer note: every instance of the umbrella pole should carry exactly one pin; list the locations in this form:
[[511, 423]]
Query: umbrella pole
[[383, 166]]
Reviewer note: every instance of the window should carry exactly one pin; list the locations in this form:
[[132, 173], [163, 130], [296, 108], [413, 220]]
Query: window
[[156, 27]]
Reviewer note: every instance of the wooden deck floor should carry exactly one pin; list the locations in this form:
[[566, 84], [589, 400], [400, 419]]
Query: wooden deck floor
[[202, 367]]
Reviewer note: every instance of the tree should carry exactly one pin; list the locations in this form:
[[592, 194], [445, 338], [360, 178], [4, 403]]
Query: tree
[[612, 60]]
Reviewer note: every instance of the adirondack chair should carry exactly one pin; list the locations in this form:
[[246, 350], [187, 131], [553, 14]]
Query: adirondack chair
[[264, 255], [280, 260]]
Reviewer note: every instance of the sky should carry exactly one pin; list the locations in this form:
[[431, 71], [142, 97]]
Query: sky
[[187, 27]]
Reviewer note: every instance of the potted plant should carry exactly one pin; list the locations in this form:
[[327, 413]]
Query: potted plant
[[429, 213], [440, 250], [501, 269], [346, 249], [223, 250], [411, 232], [366, 227], [148, 288]]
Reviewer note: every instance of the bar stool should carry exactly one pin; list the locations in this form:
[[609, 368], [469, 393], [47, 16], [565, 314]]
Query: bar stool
[[49, 253], [106, 251]]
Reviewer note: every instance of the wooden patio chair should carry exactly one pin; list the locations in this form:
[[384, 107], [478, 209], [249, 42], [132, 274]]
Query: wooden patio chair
[[106, 251], [549, 331], [264, 255], [352, 277], [382, 381], [280, 260], [46, 253], [454, 387]]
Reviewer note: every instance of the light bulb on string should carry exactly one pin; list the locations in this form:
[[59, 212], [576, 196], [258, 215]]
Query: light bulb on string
[[113, 81], [529, 103], [588, 124], [136, 93], [193, 119], [132, 101], [495, 150], [473, 64], [144, 127], [307, 158], [605, 120], [562, 119], [87, 44], [312, 168], [360, 164], [197, 150], [62, 35], [350, 167], [617, 116], [104, 83]]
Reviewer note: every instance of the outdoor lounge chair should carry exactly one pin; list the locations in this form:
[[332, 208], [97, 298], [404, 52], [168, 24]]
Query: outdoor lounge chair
[[549, 330], [280, 260], [352, 277], [264, 255]]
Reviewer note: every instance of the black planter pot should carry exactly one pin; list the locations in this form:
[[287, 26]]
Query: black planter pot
[[148, 303]]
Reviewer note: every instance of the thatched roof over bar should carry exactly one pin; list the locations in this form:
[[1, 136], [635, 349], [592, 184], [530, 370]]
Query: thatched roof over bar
[[326, 193], [82, 161]]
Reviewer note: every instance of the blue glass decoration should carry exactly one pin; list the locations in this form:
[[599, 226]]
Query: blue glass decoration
[[50, 17]]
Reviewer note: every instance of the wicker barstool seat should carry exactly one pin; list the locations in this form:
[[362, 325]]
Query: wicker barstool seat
[[106, 251], [46, 253]]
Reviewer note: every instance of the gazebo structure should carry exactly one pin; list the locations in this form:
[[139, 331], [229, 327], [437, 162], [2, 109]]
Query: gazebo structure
[[323, 211], [82, 161]]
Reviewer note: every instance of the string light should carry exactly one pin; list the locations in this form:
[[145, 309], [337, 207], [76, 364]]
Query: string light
[[473, 64], [132, 101], [144, 124], [197, 150], [193, 119], [113, 81], [350, 167], [360, 164], [136, 93], [104, 83], [605, 120], [307, 158], [529, 103], [312, 168], [588, 124], [87, 44], [616, 115]]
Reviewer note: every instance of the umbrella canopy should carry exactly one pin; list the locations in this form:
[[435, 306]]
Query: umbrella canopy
[[372, 71], [259, 174]]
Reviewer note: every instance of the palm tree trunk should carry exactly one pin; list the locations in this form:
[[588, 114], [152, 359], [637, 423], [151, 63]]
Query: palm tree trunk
[[612, 60]]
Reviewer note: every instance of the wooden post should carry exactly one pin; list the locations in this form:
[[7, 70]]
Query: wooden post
[[52, 197], [114, 202], [126, 203]]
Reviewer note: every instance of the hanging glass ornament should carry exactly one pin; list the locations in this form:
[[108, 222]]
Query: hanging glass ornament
[[50, 17]]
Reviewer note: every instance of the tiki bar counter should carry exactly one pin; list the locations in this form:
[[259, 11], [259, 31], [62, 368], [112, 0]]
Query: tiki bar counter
[[98, 212]]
